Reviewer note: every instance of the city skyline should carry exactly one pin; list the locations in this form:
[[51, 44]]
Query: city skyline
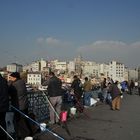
[[98, 30]]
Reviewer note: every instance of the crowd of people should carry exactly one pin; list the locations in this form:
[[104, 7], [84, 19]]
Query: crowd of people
[[107, 91], [77, 93]]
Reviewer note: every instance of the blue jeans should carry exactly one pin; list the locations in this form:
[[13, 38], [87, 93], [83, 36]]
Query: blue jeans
[[104, 93], [87, 96]]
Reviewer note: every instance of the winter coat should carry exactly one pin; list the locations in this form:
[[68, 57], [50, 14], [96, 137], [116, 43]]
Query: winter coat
[[4, 99], [87, 86], [77, 87], [18, 88], [114, 91], [54, 87]]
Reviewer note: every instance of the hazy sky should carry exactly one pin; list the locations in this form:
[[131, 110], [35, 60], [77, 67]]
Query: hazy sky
[[99, 30]]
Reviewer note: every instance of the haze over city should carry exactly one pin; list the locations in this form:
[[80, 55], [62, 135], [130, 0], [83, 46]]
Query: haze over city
[[99, 30]]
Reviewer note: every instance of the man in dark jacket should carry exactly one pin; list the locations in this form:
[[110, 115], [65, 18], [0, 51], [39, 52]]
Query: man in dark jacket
[[55, 94], [4, 105], [18, 88], [77, 88], [131, 87]]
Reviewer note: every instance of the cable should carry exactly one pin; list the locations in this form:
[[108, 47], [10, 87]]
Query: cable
[[51, 105], [6, 132], [64, 123], [54, 134]]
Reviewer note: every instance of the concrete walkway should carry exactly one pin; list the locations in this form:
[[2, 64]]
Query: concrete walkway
[[101, 123]]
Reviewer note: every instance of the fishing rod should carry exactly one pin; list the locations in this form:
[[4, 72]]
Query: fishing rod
[[57, 115], [6, 133], [54, 134], [51, 105], [80, 107]]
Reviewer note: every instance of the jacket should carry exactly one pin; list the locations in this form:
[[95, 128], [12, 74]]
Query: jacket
[[4, 98], [87, 86], [54, 87], [18, 88], [77, 87], [115, 91]]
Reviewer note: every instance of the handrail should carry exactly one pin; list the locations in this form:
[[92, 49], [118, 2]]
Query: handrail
[[54, 134], [6, 133]]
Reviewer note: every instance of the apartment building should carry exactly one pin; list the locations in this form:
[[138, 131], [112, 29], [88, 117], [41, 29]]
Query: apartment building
[[104, 69], [90, 68], [116, 71], [14, 67], [36, 66], [34, 78], [133, 74], [62, 66], [71, 66]]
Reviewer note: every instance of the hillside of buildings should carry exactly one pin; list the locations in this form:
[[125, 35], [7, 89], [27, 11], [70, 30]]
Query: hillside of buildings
[[36, 72]]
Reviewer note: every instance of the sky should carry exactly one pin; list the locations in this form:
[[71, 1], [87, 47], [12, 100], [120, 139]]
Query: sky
[[98, 30]]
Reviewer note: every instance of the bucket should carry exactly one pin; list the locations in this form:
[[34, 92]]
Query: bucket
[[43, 126], [28, 138], [73, 110], [63, 116]]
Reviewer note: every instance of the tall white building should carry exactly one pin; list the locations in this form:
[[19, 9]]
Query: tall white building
[[90, 68], [43, 64], [126, 76], [71, 66], [61, 66], [104, 69], [35, 67], [116, 71], [133, 74], [14, 67]]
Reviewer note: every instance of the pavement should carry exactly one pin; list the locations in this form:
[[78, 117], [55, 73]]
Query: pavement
[[101, 123]]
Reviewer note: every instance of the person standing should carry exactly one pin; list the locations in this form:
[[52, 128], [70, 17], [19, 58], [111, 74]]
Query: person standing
[[87, 91], [76, 87], [55, 97], [4, 106], [109, 98], [131, 87], [115, 94], [139, 88], [18, 88], [104, 89]]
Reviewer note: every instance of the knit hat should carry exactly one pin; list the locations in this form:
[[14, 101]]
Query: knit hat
[[15, 75]]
